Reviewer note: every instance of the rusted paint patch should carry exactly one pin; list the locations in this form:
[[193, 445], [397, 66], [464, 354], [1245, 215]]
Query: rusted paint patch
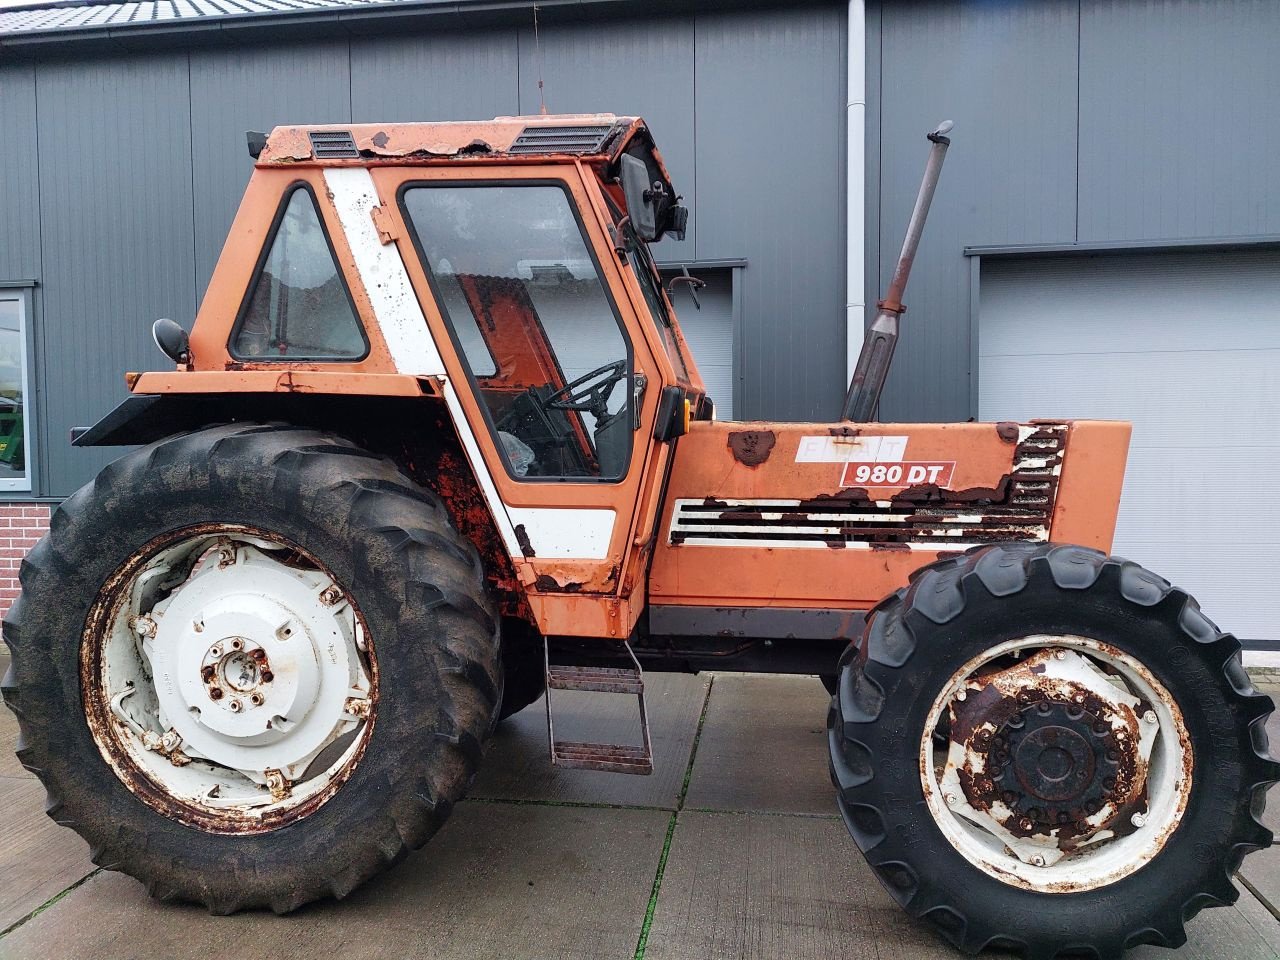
[[932, 493], [1007, 431], [752, 447], [522, 538], [846, 433], [549, 584]]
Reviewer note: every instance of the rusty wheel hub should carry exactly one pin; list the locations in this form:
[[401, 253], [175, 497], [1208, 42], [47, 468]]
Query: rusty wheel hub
[[1054, 764], [1055, 761], [235, 665]]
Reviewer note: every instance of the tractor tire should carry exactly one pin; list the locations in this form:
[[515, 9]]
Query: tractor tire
[[929, 839], [251, 514]]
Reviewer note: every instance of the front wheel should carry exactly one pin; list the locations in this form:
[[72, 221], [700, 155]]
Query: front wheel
[[252, 665], [1042, 748]]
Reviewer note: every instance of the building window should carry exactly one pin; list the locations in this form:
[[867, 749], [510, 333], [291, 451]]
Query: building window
[[15, 414]]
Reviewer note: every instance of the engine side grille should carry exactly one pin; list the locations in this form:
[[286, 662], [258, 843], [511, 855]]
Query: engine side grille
[[585, 139], [333, 145], [921, 519]]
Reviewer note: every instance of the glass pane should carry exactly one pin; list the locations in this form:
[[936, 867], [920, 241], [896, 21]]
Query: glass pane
[[644, 269], [13, 463], [300, 308], [517, 283]]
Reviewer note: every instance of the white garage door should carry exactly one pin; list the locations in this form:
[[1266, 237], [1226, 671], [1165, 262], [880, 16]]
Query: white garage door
[[709, 332], [1187, 346]]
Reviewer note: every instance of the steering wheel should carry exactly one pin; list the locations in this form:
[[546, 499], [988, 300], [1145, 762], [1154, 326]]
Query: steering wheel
[[584, 395]]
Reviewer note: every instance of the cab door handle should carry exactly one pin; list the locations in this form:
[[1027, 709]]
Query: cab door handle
[[638, 383]]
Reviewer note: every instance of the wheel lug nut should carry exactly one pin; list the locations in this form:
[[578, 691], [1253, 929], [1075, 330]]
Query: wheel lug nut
[[206, 673], [259, 654], [1149, 716], [236, 644], [267, 676], [951, 799], [1037, 861], [215, 693], [1138, 820], [256, 699], [1026, 823], [1059, 654], [235, 706]]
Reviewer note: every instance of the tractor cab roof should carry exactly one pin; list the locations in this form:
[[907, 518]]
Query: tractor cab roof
[[599, 137]]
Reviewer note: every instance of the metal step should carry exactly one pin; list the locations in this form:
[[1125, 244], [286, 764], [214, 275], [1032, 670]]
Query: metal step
[[597, 679], [613, 757]]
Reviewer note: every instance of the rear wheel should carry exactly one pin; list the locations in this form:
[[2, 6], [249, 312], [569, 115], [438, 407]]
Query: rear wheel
[[253, 666], [1043, 748]]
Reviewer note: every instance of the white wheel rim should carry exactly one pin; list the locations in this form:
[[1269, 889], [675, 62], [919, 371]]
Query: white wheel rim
[[1129, 711], [229, 679]]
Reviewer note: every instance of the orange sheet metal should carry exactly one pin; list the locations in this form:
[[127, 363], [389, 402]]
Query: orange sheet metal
[[421, 141], [282, 381], [825, 464]]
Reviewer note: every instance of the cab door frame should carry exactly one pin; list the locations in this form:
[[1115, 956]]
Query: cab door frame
[[580, 580]]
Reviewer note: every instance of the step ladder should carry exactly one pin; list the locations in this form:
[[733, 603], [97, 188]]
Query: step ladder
[[613, 757]]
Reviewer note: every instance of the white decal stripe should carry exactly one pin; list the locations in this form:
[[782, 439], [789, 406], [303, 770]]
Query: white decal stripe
[[481, 469], [382, 272], [873, 449], [566, 534]]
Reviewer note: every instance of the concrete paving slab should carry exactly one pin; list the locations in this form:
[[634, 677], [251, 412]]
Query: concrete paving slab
[[517, 768], [500, 881], [38, 858], [763, 887], [764, 747], [1262, 869], [9, 765], [1245, 931]]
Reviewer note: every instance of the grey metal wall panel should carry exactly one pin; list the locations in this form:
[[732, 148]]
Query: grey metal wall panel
[[769, 152], [115, 189], [252, 88], [640, 67], [19, 179], [1178, 118], [434, 76], [1006, 74]]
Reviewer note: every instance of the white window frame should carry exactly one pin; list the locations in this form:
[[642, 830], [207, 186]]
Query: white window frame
[[22, 296]]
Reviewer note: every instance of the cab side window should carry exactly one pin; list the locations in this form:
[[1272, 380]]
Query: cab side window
[[299, 307]]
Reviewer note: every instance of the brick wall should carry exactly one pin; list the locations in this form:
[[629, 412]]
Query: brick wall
[[21, 525]]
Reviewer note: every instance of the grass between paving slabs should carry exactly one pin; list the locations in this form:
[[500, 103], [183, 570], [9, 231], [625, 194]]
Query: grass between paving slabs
[[671, 829], [50, 902]]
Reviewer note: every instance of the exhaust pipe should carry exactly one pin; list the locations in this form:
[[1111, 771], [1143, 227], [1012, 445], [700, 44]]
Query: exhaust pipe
[[869, 375]]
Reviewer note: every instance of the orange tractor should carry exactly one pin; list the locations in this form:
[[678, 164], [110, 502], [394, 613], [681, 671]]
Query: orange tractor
[[436, 444]]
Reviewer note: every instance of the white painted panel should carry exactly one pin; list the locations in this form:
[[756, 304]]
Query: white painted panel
[[565, 534], [400, 319], [1184, 345]]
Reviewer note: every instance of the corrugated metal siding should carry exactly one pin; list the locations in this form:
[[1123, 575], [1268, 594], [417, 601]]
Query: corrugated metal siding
[[19, 178], [435, 76], [769, 155], [1006, 74], [642, 68], [115, 188], [1178, 118], [227, 99]]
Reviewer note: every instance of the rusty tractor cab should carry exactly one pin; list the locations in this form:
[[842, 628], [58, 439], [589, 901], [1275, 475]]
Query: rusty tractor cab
[[435, 444]]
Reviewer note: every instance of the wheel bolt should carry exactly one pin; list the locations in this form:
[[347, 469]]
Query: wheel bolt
[[259, 655], [951, 799], [1149, 716], [1059, 654], [236, 644], [1138, 820], [256, 699], [1026, 823], [206, 673], [1037, 861], [267, 676], [235, 706], [215, 693]]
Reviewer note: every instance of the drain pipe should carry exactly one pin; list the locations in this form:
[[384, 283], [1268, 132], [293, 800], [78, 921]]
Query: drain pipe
[[855, 185]]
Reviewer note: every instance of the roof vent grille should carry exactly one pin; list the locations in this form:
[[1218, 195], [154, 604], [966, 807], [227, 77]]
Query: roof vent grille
[[584, 139], [333, 145]]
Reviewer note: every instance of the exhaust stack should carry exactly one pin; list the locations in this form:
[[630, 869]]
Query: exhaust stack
[[877, 349]]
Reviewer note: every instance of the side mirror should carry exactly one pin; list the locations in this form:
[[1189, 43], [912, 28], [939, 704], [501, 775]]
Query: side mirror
[[642, 204], [172, 340]]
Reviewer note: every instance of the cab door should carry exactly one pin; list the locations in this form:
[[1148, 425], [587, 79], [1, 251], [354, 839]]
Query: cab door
[[553, 381]]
